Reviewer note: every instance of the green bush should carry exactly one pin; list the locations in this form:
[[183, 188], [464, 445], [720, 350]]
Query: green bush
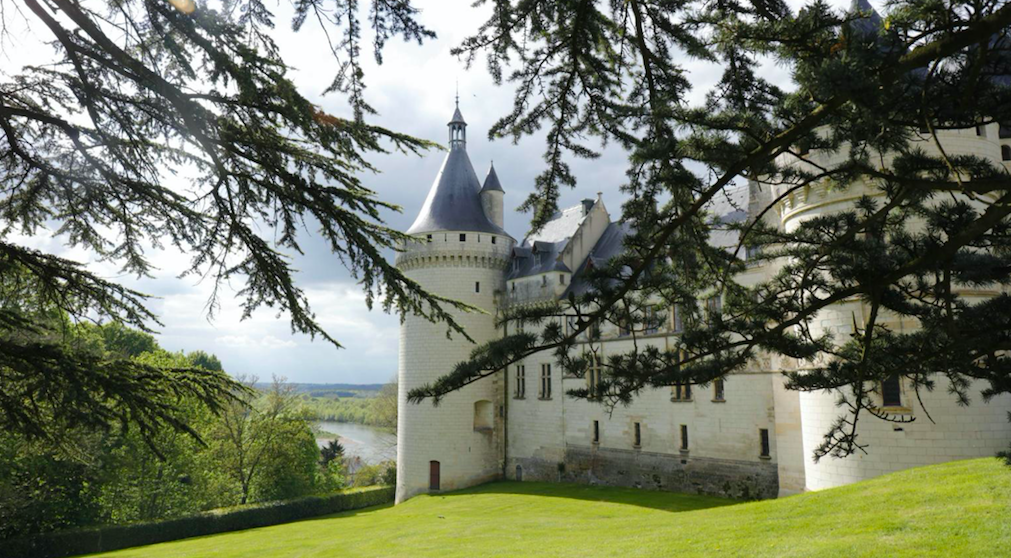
[[104, 539]]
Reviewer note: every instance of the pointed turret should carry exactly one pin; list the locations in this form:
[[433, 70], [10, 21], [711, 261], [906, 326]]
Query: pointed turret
[[491, 198], [454, 202]]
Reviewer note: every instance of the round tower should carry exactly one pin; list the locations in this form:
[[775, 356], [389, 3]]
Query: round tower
[[459, 252]]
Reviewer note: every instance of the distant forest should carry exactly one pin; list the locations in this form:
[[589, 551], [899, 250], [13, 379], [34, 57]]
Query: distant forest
[[369, 404]]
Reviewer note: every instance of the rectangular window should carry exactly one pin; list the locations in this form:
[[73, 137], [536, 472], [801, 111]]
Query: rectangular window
[[679, 325], [652, 320], [463, 237], [891, 392], [638, 435], [545, 381], [521, 381], [1004, 131], [684, 437], [763, 434], [593, 375], [596, 432], [714, 306], [718, 390], [493, 240], [681, 392], [428, 237], [477, 286], [981, 130], [561, 279]]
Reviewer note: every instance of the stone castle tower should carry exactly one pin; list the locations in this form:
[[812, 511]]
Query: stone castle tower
[[461, 252]]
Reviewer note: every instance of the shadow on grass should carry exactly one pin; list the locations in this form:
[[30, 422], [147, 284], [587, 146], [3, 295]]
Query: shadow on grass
[[653, 499]]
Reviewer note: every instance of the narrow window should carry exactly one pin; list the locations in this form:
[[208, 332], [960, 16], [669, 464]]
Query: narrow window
[[980, 130], [561, 279], [763, 434], [652, 320], [479, 238], [477, 286], [596, 432], [544, 280], [545, 381], [684, 437], [678, 322], [714, 306], [593, 378], [521, 381], [514, 286], [1005, 153], [681, 392], [891, 392], [493, 239], [638, 435], [463, 237], [718, 390]]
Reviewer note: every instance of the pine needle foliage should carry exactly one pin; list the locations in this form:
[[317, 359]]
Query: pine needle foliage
[[863, 87], [176, 125]]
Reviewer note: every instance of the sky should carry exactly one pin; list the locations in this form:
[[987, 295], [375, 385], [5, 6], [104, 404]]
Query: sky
[[413, 92]]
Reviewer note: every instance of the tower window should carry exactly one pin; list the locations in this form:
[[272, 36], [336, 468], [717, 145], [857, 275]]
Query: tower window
[[684, 437], [544, 280], [514, 286], [477, 286], [718, 390], [980, 130], [463, 237], [561, 279], [521, 381], [1005, 153], [593, 378], [891, 392], [763, 436], [638, 435], [428, 237], [596, 432], [545, 381], [493, 239]]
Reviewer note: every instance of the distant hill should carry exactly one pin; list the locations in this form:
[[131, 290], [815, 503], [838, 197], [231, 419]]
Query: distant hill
[[332, 391]]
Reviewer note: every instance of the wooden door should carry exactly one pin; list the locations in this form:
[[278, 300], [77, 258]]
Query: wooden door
[[433, 475]]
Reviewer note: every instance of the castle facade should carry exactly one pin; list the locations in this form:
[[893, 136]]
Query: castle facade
[[745, 437]]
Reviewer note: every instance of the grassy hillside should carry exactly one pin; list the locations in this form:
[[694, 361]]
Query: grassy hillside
[[956, 509]]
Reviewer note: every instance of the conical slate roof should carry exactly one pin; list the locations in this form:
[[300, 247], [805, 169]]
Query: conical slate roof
[[457, 117], [454, 202], [491, 181], [871, 23]]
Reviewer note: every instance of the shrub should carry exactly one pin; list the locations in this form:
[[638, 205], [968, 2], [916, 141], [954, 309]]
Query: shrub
[[104, 539]]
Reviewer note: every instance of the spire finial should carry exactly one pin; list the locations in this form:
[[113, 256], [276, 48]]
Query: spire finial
[[457, 93]]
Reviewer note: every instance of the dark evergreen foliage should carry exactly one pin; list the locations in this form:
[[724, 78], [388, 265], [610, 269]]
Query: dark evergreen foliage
[[865, 85], [175, 125]]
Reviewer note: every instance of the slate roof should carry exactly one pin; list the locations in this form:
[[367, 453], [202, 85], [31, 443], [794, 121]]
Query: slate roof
[[454, 201], [491, 182]]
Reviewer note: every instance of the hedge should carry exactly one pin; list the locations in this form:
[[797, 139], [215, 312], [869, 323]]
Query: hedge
[[115, 537]]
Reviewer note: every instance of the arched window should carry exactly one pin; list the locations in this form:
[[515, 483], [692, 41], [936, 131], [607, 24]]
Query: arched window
[[1005, 153], [484, 415]]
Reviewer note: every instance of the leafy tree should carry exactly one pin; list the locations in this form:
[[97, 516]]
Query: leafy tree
[[864, 87], [205, 360], [384, 406], [126, 342], [176, 124], [254, 439]]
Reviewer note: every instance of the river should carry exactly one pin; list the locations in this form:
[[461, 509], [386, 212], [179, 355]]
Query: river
[[373, 445]]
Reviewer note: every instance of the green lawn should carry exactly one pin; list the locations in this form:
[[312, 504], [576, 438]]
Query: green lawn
[[956, 509]]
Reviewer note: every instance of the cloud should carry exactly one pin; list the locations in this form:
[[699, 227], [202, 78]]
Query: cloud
[[413, 92]]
